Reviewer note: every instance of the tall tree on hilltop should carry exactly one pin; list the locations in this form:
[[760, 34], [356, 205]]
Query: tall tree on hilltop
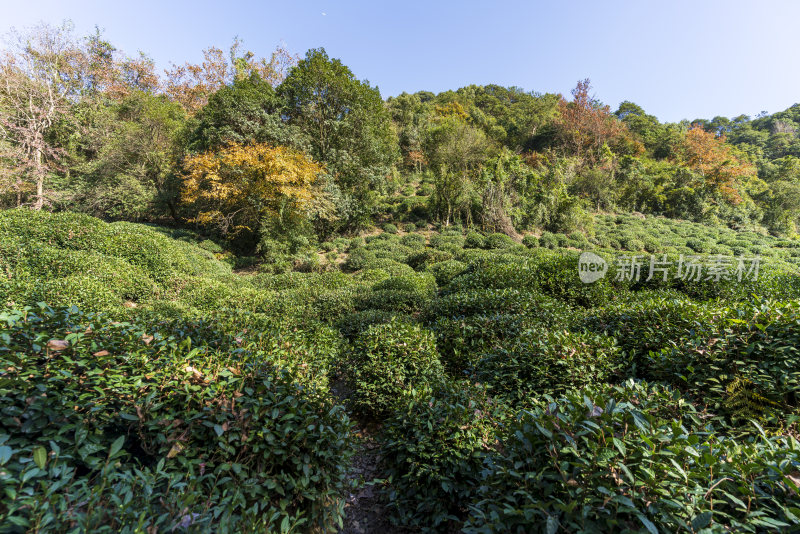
[[345, 119], [585, 125], [720, 167]]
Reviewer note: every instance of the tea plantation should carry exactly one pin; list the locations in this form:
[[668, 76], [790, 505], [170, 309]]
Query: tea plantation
[[147, 387]]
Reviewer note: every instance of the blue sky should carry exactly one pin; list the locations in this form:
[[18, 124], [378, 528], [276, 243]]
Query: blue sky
[[677, 59]]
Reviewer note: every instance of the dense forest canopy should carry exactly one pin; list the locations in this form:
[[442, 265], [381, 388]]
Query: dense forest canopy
[[84, 126]]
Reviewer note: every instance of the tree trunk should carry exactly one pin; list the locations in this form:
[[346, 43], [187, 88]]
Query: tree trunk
[[39, 181]]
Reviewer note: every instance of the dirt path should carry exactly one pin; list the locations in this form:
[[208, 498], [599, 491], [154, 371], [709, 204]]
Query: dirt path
[[364, 513]]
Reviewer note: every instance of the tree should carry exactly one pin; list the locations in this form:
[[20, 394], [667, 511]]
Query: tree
[[109, 73], [411, 118], [244, 112], [645, 127], [125, 163], [192, 84], [236, 187], [505, 183], [455, 149], [722, 171], [345, 120], [39, 76], [585, 125]]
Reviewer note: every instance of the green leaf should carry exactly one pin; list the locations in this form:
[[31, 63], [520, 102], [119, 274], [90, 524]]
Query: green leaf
[[116, 446], [701, 521], [218, 430], [647, 524], [40, 457], [5, 454], [552, 524]]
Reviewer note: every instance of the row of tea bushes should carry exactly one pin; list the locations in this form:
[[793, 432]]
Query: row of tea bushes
[[628, 458], [128, 427]]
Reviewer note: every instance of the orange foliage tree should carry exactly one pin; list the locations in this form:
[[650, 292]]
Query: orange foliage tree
[[234, 188], [722, 170], [584, 126], [192, 84]]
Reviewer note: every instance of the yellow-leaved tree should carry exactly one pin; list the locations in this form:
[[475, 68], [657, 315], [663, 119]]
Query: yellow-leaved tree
[[236, 187]]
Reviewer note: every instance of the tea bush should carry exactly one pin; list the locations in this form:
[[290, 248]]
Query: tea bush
[[358, 259], [66, 258], [757, 347], [462, 341], [433, 453], [474, 240], [633, 458], [499, 241], [117, 426], [421, 260], [650, 320], [546, 361], [445, 271], [413, 240], [387, 360]]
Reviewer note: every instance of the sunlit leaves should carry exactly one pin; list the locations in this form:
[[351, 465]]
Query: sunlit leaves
[[237, 185]]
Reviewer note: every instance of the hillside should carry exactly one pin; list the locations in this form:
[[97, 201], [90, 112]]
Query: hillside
[[477, 378], [246, 291]]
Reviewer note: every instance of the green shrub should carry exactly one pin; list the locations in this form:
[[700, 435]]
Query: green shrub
[[631, 243], [489, 301], [421, 260], [386, 361], [151, 427], [554, 274], [548, 240], [759, 347], [446, 270], [358, 259], [392, 267], [652, 245], [463, 341], [543, 360], [390, 228], [530, 241], [698, 245], [433, 449], [413, 240], [352, 324], [498, 241], [447, 241], [66, 258], [423, 283], [410, 227], [632, 458], [653, 320], [331, 305], [474, 240], [392, 300], [355, 243]]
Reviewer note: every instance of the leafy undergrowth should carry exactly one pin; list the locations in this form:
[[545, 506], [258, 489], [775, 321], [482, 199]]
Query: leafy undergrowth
[[504, 394], [124, 427]]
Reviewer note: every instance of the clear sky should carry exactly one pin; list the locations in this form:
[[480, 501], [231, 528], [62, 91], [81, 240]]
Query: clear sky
[[677, 59]]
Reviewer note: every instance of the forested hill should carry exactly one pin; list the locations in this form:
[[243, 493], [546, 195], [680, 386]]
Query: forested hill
[[272, 153], [252, 295]]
